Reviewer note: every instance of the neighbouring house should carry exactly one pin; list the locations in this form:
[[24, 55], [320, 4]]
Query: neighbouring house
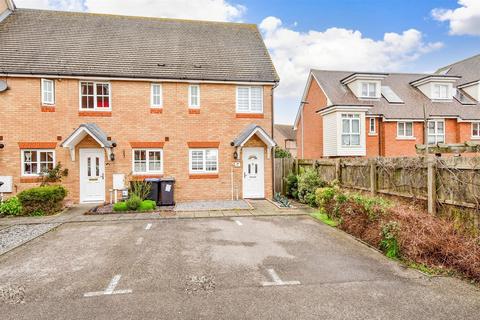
[[371, 114], [285, 137], [119, 98]]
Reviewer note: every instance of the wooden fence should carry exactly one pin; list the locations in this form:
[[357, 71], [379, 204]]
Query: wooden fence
[[449, 185]]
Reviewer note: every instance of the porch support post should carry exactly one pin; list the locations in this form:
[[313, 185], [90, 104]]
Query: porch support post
[[72, 153]]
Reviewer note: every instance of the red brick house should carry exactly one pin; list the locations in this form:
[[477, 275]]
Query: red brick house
[[384, 114], [125, 98]]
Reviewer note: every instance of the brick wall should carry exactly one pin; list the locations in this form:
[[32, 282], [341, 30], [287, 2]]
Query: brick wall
[[131, 120]]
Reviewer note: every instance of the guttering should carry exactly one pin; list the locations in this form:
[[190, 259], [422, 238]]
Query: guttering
[[468, 84], [437, 78], [344, 108]]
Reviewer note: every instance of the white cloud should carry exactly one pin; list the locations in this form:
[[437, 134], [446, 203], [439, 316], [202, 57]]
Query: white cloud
[[294, 53], [217, 10], [464, 20]]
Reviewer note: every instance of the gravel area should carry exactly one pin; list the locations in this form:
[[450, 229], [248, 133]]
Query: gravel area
[[212, 205], [14, 236]]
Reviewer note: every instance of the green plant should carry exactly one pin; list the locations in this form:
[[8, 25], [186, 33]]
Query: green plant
[[147, 205], [120, 206], [324, 196], [47, 199], [324, 218], [292, 185], [308, 182], [133, 202], [389, 243], [11, 207], [53, 175], [282, 200], [140, 189], [282, 153], [373, 206]]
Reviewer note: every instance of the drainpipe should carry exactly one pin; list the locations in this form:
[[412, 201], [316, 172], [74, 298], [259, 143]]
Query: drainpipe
[[273, 137]]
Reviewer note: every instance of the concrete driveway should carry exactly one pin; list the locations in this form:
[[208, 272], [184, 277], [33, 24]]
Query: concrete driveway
[[227, 268]]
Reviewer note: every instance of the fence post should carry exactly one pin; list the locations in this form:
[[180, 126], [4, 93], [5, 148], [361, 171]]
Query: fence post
[[338, 170], [431, 186], [373, 177]]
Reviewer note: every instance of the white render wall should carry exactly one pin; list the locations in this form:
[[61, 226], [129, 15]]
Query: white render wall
[[330, 135]]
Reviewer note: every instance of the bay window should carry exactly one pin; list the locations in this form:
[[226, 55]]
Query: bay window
[[350, 129]]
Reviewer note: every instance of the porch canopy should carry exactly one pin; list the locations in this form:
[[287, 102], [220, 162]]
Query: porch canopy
[[249, 132], [81, 132]]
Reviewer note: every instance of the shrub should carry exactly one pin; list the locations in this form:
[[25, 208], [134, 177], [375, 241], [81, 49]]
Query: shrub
[[292, 185], [133, 202], [53, 175], [282, 153], [373, 206], [120, 206], [147, 205], [11, 207], [389, 244], [141, 189], [324, 196], [308, 182], [42, 200]]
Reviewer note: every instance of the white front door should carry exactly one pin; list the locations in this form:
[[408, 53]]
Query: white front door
[[92, 175], [253, 173]]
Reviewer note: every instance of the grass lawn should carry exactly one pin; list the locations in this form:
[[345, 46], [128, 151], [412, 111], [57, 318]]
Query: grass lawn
[[324, 218]]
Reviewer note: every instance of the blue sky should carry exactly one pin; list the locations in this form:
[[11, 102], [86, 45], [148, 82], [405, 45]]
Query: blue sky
[[364, 35]]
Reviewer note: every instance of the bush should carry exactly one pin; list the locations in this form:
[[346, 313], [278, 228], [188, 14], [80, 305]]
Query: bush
[[120, 206], [11, 207], [308, 182], [373, 206], [133, 202], [292, 185], [42, 200], [141, 189], [282, 153], [147, 205], [389, 244]]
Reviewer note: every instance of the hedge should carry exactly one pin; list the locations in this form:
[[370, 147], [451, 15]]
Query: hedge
[[43, 200]]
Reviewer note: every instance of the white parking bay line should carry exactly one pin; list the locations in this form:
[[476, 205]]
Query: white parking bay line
[[110, 289], [239, 223], [139, 241], [148, 226], [277, 281]]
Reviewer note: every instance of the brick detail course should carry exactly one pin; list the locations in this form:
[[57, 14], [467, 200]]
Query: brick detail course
[[95, 113], [47, 108], [203, 176], [37, 145], [194, 111], [249, 115], [203, 144], [147, 144], [156, 110]]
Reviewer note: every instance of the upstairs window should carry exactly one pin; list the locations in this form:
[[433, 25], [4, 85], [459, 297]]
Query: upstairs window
[[405, 130], [436, 131], [194, 96], [95, 95], [249, 99], [203, 160], [369, 89], [372, 126], [476, 130], [440, 91], [147, 161], [350, 129], [34, 162], [48, 91], [156, 95]]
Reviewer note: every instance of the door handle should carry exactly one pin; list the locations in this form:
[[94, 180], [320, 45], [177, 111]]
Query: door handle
[[244, 174], [103, 176]]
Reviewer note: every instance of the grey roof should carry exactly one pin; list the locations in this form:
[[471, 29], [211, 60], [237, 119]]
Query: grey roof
[[87, 44], [413, 99], [95, 130], [243, 136], [286, 131], [468, 68]]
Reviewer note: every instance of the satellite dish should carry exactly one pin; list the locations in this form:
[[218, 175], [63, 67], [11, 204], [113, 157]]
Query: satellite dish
[[3, 85]]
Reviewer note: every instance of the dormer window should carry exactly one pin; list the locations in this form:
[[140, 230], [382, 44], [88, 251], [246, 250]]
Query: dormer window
[[369, 89], [440, 91]]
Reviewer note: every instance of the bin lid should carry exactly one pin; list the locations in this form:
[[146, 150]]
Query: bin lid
[[152, 180], [171, 179]]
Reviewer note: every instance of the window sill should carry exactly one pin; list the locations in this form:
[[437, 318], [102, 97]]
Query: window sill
[[406, 138], [203, 176], [95, 113], [47, 108], [156, 110], [30, 179], [193, 110], [250, 115], [143, 176], [373, 134], [475, 138]]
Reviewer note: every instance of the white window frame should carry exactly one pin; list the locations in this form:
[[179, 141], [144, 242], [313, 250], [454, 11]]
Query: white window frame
[[152, 95], [439, 96], [45, 100], [351, 117], [404, 136], [204, 170], [249, 100], [436, 134], [368, 84], [95, 108], [370, 131], [477, 124], [22, 161], [190, 104], [148, 171]]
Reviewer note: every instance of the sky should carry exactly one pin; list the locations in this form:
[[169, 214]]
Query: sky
[[357, 35]]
